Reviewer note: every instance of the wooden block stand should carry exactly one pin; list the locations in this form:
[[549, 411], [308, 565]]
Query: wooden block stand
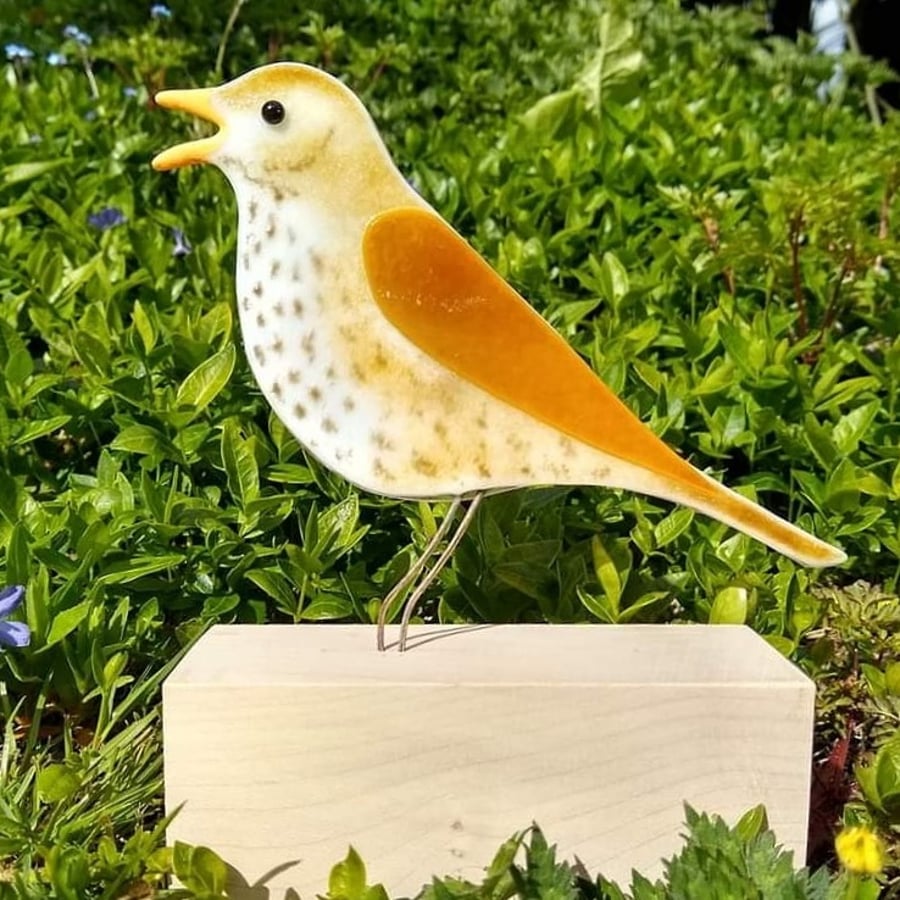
[[287, 743]]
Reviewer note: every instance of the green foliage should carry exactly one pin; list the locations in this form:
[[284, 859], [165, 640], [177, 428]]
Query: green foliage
[[742, 862], [667, 189]]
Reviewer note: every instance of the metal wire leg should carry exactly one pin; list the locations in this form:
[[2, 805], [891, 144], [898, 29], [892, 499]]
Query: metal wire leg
[[433, 572], [414, 569]]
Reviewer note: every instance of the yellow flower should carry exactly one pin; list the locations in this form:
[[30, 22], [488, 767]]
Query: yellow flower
[[860, 850]]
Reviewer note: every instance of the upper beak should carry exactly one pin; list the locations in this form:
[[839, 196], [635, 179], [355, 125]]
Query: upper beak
[[200, 102]]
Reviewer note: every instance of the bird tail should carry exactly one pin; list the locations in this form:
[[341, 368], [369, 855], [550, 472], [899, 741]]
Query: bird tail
[[719, 502]]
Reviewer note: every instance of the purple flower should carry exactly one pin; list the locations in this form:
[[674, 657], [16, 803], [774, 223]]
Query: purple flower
[[160, 11], [107, 218], [12, 634], [74, 33], [182, 245], [56, 59], [18, 53]]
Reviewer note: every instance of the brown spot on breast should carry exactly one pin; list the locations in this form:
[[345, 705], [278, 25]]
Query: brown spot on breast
[[275, 267], [261, 320], [440, 429], [279, 309], [317, 262], [270, 226], [260, 354], [257, 248], [349, 404], [276, 390], [252, 208], [309, 345], [358, 373], [291, 235], [483, 470], [568, 447], [299, 410], [278, 345], [294, 376], [296, 272], [315, 394], [246, 302], [257, 289], [245, 259], [297, 307], [379, 359], [424, 466], [328, 426], [330, 374]]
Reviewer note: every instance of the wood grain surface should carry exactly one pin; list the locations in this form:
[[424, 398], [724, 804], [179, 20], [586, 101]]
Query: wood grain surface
[[287, 743]]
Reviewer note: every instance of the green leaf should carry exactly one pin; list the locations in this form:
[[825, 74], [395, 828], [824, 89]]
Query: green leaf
[[240, 464], [142, 439], [672, 526], [57, 782], [68, 620], [39, 428], [201, 870], [206, 381], [327, 606], [613, 279], [616, 62], [729, 607], [612, 565], [26, 171], [125, 571], [892, 679], [18, 556], [347, 880], [752, 823], [850, 430], [547, 117], [275, 585], [19, 366], [143, 326]]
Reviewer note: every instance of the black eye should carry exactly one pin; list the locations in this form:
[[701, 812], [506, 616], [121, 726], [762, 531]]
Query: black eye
[[272, 112]]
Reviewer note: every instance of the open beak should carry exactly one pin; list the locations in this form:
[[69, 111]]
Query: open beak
[[200, 102]]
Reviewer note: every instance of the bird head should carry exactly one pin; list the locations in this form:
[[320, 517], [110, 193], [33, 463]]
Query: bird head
[[280, 124]]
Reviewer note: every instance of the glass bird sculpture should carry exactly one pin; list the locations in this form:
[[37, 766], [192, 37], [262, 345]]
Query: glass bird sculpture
[[391, 350]]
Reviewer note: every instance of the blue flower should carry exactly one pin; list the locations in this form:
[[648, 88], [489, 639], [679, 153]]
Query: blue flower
[[12, 634], [182, 246], [130, 91], [107, 218], [74, 33], [56, 59], [160, 11], [18, 53]]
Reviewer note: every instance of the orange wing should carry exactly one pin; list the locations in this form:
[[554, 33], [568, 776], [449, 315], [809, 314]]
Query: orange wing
[[433, 287]]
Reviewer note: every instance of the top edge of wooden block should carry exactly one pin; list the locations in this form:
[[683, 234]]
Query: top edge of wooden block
[[495, 655]]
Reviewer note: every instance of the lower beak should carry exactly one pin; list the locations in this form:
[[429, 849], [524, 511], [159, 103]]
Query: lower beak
[[200, 102]]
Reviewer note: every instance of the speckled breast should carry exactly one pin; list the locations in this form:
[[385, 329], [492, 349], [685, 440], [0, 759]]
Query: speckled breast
[[355, 392]]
